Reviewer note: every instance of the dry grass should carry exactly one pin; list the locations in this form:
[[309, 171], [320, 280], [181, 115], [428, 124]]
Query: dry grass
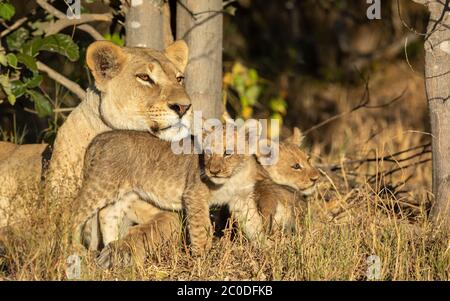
[[350, 218], [323, 249]]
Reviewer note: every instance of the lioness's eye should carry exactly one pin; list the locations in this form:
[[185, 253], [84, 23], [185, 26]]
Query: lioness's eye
[[297, 166], [145, 77], [180, 79]]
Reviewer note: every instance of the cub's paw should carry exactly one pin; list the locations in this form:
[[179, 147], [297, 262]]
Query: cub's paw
[[115, 254], [201, 249]]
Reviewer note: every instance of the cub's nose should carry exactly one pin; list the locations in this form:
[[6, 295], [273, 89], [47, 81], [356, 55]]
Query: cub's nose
[[314, 177], [214, 171], [179, 109]]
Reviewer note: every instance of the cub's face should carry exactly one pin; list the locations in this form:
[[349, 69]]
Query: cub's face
[[293, 167], [222, 162], [142, 89]]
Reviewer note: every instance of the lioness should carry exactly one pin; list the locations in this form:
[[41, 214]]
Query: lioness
[[137, 88]]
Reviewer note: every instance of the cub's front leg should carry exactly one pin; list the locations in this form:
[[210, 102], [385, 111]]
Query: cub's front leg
[[196, 203]]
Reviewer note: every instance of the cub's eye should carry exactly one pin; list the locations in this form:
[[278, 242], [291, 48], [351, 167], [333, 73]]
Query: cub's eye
[[180, 79], [297, 166], [145, 77]]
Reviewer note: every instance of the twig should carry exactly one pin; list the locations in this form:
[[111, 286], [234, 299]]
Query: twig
[[387, 52], [403, 21], [85, 18], [60, 15], [13, 27], [392, 171], [389, 158], [72, 86], [63, 110], [365, 100]]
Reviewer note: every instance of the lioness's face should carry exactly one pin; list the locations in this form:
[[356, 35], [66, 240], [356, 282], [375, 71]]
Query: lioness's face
[[293, 167], [142, 89]]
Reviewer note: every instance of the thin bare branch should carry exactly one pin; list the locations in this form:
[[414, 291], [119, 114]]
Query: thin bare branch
[[72, 86], [364, 103], [13, 27], [62, 17], [85, 18]]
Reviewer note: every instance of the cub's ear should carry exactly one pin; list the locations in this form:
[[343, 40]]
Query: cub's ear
[[268, 151], [105, 60], [178, 54], [296, 137]]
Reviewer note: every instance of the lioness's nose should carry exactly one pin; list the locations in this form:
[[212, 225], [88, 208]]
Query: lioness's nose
[[179, 109]]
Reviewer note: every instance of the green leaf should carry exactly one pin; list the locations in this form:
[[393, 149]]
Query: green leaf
[[253, 75], [5, 83], [28, 61], [12, 60], [239, 84], [7, 11], [62, 44], [33, 82], [231, 10], [17, 39], [42, 104], [278, 105], [252, 94], [3, 59], [33, 47], [115, 38], [18, 88]]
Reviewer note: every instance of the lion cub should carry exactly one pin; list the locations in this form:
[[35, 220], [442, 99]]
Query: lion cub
[[277, 190], [256, 199], [123, 163], [293, 177]]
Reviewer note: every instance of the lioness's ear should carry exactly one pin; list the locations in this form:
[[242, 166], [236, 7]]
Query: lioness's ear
[[105, 60], [178, 54], [296, 137]]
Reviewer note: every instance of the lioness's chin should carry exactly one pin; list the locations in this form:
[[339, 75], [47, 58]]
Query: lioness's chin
[[173, 134]]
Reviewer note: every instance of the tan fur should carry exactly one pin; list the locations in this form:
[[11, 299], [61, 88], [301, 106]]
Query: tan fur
[[281, 199], [126, 103], [122, 162], [20, 173], [142, 89], [160, 229], [247, 188]]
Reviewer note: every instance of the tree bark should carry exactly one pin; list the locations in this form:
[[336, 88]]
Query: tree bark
[[437, 80], [200, 24], [144, 24]]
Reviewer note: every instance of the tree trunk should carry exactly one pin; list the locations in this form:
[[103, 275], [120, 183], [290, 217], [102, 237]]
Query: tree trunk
[[200, 24], [437, 79], [144, 24]]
